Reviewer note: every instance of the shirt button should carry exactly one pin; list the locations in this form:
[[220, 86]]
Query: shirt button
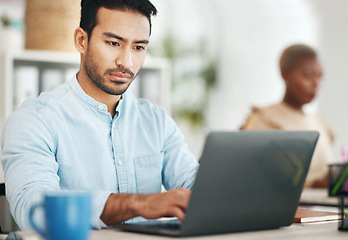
[[101, 107], [120, 162]]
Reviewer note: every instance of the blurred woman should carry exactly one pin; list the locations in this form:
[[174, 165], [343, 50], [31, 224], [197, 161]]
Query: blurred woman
[[302, 72]]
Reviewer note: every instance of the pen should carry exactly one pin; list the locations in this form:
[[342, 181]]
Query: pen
[[341, 180]]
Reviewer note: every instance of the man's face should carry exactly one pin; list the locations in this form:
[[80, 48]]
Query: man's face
[[304, 80], [116, 49]]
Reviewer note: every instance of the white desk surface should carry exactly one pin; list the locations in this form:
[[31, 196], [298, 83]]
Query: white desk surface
[[296, 231]]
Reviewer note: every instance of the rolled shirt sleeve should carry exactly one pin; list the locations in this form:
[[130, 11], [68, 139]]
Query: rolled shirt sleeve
[[30, 167]]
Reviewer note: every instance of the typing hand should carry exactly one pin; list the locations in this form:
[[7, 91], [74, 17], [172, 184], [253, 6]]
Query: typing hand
[[121, 207], [168, 204]]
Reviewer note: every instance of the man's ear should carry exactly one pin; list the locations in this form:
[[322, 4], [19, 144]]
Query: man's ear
[[80, 40]]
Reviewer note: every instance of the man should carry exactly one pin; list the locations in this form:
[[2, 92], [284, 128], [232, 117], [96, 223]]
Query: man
[[91, 134]]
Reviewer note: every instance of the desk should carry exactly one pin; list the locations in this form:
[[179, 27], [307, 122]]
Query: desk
[[295, 231]]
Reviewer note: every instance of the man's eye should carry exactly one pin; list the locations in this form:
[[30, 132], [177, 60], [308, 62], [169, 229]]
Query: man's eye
[[139, 48], [112, 43]]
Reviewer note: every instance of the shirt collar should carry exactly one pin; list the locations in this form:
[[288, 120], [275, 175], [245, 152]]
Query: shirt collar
[[84, 97], [120, 104]]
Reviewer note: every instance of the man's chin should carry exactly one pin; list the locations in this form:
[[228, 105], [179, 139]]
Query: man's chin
[[115, 91], [120, 82]]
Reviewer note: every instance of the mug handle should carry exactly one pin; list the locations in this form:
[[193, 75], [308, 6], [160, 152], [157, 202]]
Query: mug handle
[[32, 222]]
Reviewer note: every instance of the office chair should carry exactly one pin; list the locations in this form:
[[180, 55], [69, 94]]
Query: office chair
[[7, 223], [2, 193], [2, 189]]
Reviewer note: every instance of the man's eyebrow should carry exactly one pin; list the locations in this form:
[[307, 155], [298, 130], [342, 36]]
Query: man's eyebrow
[[112, 35], [142, 42]]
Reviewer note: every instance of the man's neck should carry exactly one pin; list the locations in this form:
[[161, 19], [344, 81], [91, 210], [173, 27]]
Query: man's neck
[[97, 94]]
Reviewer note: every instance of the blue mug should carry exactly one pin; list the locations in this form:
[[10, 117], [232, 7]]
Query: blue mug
[[67, 216]]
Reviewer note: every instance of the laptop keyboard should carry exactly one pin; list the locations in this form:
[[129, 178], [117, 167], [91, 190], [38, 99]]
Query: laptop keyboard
[[168, 224], [172, 224]]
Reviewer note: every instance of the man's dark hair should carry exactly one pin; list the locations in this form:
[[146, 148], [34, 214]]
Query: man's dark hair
[[89, 10]]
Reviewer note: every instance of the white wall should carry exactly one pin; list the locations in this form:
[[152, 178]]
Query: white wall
[[251, 36], [247, 37], [332, 19]]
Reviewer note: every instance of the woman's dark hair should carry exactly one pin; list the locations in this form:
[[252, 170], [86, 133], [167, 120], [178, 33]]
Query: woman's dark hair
[[89, 10], [292, 54]]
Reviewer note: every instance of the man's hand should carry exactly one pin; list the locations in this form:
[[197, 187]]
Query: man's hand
[[169, 204], [121, 207]]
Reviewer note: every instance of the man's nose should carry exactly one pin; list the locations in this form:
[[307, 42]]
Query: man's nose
[[125, 59]]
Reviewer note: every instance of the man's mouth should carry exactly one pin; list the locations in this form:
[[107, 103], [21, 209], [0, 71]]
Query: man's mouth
[[119, 76]]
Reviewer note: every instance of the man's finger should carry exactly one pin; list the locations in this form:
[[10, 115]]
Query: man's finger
[[177, 212]]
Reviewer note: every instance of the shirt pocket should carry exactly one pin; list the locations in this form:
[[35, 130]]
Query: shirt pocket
[[148, 173]]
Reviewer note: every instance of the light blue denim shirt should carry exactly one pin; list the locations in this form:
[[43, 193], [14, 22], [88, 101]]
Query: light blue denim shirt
[[65, 140]]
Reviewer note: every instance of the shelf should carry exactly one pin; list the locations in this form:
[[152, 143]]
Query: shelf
[[45, 56], [153, 80]]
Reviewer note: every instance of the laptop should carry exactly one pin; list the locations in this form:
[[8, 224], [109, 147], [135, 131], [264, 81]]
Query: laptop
[[246, 181]]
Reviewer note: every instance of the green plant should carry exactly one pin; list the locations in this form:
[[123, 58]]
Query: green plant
[[5, 21], [202, 76]]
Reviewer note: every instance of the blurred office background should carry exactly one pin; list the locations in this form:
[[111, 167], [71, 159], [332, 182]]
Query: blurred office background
[[223, 57], [244, 40]]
